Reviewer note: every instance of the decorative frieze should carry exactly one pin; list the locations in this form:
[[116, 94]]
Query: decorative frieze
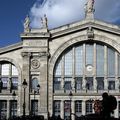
[[43, 54]]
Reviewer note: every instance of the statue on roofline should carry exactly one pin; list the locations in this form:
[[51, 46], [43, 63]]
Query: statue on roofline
[[44, 21], [89, 6], [27, 24]]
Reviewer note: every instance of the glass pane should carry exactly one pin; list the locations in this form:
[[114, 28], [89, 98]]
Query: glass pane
[[89, 108], [119, 65], [5, 69], [111, 62], [89, 83], [3, 109], [34, 107], [13, 107], [89, 54], [111, 83], [57, 83], [58, 67], [14, 82], [68, 63], [100, 60], [4, 82], [14, 70], [79, 60], [56, 107], [34, 83], [78, 83], [67, 84], [67, 107], [100, 83], [78, 108]]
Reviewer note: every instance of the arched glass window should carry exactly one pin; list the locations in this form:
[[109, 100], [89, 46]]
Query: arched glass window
[[34, 83], [9, 76], [84, 65]]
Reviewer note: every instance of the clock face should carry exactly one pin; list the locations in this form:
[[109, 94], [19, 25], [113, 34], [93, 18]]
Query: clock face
[[89, 68]]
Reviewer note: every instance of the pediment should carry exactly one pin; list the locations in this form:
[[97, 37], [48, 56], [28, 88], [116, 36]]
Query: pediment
[[85, 24]]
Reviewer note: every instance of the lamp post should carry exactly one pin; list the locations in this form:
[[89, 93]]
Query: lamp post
[[13, 95], [70, 96], [36, 91], [24, 84]]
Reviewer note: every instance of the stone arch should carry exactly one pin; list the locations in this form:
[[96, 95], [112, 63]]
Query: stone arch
[[83, 39], [64, 46]]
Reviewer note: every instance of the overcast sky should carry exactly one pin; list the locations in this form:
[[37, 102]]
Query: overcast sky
[[59, 12]]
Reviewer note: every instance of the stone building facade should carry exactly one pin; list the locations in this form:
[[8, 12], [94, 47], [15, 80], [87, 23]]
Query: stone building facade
[[81, 58]]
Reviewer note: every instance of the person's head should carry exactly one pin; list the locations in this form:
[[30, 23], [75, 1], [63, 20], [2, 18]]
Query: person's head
[[109, 103]]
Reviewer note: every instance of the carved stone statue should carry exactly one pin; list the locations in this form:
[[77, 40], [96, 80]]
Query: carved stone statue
[[44, 21], [27, 24], [90, 6]]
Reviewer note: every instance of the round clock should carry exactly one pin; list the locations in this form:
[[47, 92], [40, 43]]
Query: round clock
[[89, 68]]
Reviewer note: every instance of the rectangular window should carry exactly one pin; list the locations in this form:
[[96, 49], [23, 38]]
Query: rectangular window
[[89, 108], [57, 83], [111, 62], [100, 83], [15, 83], [3, 109], [78, 83], [56, 107], [89, 54], [34, 107], [89, 83], [68, 63], [13, 108], [67, 107], [100, 60], [67, 83], [78, 108], [4, 82], [79, 60]]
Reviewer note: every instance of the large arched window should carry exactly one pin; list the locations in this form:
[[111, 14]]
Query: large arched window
[[8, 76], [87, 66]]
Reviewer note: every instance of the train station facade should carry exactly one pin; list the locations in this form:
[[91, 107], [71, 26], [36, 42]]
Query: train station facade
[[65, 68]]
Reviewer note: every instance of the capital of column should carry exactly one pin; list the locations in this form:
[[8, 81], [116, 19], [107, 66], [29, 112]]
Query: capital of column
[[26, 54]]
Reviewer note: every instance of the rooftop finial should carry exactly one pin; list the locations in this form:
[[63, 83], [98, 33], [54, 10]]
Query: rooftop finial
[[89, 9]]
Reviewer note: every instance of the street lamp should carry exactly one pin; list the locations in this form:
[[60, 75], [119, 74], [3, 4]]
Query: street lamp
[[24, 84], [13, 95], [36, 91], [70, 96]]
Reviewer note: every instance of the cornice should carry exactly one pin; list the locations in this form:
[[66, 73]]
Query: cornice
[[79, 26], [11, 47]]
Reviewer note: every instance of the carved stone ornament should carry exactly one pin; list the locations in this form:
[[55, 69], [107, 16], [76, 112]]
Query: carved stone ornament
[[35, 63], [90, 33]]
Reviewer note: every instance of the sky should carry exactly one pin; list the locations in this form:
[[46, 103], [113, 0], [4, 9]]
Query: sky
[[59, 12]]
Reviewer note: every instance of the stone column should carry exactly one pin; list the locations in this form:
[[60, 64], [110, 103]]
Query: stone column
[[44, 84], [105, 69], [73, 109], [83, 107], [62, 109], [25, 75], [8, 109]]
